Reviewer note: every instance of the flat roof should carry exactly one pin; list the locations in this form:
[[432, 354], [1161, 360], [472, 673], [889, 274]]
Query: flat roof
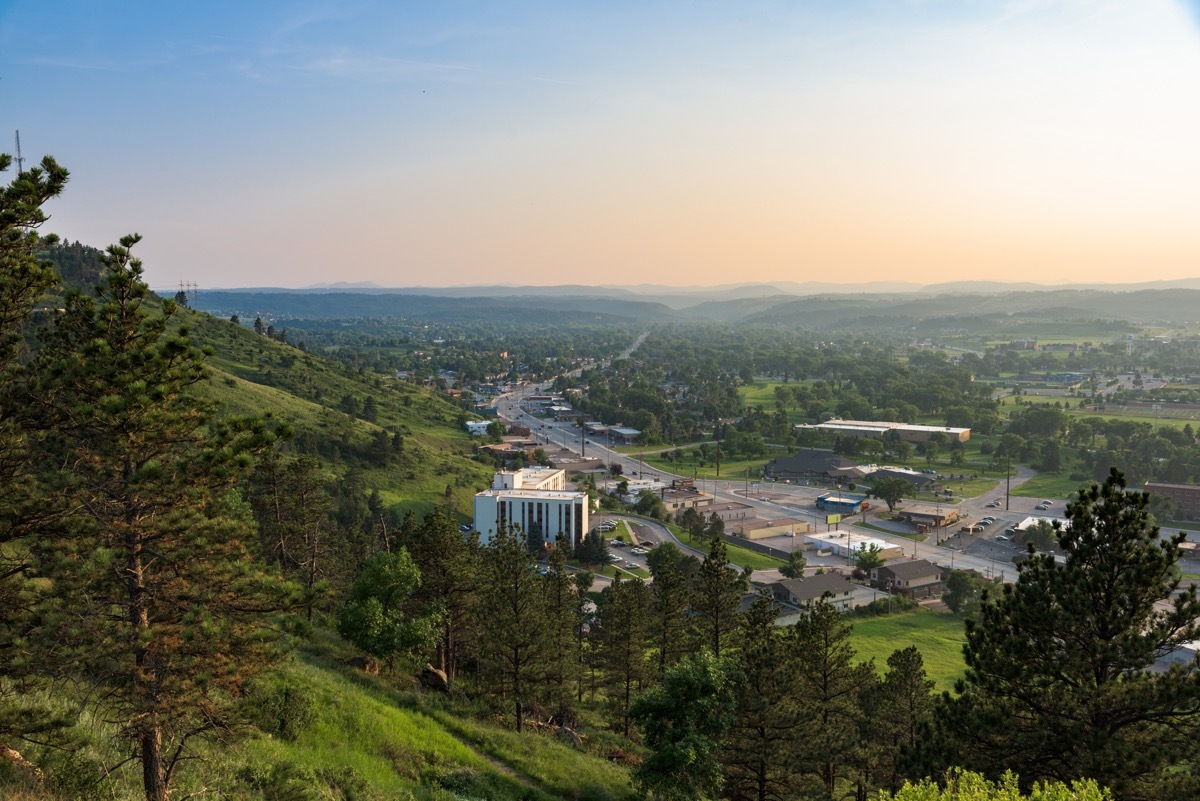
[[533, 494], [883, 425]]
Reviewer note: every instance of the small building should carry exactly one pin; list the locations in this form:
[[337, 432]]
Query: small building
[[927, 515], [624, 435], [915, 578], [758, 529], [845, 503], [732, 512], [679, 499], [478, 428], [833, 587]]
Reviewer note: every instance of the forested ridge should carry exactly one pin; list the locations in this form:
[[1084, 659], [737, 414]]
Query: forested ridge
[[192, 509]]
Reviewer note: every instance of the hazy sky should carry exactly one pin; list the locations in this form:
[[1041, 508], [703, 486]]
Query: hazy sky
[[441, 143]]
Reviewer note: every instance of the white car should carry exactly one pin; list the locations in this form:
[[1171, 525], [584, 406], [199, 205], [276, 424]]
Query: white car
[[637, 551]]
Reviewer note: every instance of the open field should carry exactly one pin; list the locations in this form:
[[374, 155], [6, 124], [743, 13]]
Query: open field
[[1048, 485], [939, 637]]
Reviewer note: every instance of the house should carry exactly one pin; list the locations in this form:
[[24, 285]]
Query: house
[[808, 465], [478, 428], [915, 578], [832, 586]]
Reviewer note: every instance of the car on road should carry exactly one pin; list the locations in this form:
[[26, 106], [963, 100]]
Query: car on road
[[994, 505], [1041, 507]]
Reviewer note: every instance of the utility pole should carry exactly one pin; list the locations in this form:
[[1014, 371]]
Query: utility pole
[[1007, 477]]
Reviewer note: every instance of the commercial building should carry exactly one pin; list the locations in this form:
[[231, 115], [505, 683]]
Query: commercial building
[[906, 432], [810, 465], [536, 501], [846, 543], [1186, 496], [842, 503]]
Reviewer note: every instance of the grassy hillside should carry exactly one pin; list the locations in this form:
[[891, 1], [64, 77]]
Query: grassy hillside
[[318, 729], [255, 375]]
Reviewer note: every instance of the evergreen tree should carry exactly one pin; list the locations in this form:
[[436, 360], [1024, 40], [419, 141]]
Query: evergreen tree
[[901, 707], [451, 581], [756, 751], [621, 635], [683, 721], [1058, 682], [156, 598], [513, 643], [563, 624], [831, 684], [259, 326], [23, 280], [716, 599], [668, 606]]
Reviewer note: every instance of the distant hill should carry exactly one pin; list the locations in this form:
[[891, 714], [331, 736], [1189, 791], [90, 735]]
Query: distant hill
[[307, 305]]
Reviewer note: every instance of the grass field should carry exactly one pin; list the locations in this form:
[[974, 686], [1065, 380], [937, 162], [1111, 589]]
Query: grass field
[[742, 557], [938, 636], [1048, 485]]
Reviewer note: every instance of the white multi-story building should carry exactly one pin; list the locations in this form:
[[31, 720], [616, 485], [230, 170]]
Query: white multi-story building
[[535, 500]]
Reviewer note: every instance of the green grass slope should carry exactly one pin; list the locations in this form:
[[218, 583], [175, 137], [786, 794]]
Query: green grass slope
[[256, 375]]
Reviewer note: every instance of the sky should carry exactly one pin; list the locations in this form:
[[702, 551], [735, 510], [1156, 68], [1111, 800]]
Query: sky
[[617, 143]]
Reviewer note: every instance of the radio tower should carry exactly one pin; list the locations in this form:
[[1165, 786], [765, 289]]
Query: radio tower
[[20, 160]]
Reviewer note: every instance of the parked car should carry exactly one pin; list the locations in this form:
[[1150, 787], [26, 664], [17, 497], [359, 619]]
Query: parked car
[[614, 557], [994, 505], [638, 551], [617, 542]]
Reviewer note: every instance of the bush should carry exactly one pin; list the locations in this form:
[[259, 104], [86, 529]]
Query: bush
[[885, 606], [281, 706]]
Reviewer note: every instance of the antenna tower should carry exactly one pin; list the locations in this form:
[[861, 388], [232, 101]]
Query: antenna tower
[[20, 160]]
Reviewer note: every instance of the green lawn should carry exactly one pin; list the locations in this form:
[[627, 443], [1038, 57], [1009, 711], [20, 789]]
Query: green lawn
[[1048, 485], [742, 557], [939, 637]]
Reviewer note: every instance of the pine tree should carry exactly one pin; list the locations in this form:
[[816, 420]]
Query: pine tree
[[668, 606], [23, 280], [831, 684], [512, 644], [716, 599], [562, 659], [756, 750], [451, 581], [1057, 681], [156, 597], [621, 635], [901, 707]]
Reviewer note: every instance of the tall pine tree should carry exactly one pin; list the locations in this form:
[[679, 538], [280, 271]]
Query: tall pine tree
[[1058, 684], [157, 599]]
